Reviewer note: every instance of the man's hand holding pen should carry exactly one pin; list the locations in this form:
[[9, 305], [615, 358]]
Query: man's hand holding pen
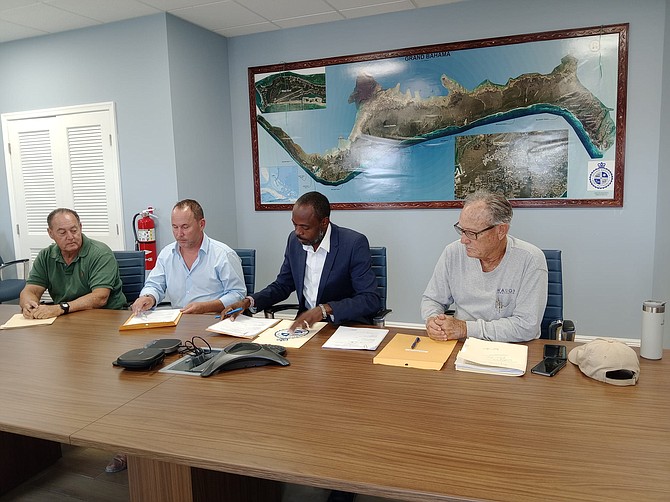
[[28, 309], [235, 309]]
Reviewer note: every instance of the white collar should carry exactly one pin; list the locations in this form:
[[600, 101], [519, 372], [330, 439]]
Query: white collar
[[324, 244]]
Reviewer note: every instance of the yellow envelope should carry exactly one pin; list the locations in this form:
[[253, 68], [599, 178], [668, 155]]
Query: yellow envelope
[[425, 354]]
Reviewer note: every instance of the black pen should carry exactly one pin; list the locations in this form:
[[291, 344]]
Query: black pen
[[415, 342]]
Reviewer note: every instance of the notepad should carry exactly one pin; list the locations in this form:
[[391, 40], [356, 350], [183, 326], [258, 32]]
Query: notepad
[[18, 321], [425, 354], [243, 326], [153, 319], [493, 358], [346, 337]]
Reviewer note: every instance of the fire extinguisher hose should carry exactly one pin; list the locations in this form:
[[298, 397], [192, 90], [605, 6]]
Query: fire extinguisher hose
[[137, 242]]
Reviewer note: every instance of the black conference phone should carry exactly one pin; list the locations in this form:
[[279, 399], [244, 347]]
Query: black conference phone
[[242, 355]]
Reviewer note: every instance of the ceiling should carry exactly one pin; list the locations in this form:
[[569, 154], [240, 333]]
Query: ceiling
[[230, 18]]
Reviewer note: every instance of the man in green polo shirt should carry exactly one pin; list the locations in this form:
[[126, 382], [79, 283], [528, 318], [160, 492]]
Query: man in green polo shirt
[[79, 273]]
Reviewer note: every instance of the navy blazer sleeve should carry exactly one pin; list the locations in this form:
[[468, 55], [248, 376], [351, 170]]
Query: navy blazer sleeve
[[286, 281], [347, 284]]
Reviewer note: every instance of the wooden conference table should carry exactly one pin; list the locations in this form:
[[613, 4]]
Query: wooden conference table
[[335, 420]]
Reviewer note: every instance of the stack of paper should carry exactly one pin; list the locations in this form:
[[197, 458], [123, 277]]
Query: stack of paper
[[495, 358], [355, 338], [243, 326]]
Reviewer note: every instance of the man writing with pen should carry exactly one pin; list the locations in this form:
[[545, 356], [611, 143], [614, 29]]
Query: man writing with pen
[[327, 266]]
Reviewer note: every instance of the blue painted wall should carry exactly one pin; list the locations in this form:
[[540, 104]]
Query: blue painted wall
[[168, 79], [608, 253], [201, 120]]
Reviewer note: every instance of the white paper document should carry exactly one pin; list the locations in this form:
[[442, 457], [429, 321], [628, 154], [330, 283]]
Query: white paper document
[[495, 358], [355, 338], [280, 335], [243, 326]]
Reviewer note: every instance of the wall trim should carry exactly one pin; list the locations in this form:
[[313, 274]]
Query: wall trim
[[631, 342]]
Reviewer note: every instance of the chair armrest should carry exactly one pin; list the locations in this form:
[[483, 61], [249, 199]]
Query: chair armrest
[[379, 318], [16, 262], [271, 311]]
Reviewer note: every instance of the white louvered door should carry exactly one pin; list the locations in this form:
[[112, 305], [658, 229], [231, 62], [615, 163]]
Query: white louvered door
[[64, 158]]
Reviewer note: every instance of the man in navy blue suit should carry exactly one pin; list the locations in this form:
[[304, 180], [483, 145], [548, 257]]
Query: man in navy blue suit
[[329, 268]]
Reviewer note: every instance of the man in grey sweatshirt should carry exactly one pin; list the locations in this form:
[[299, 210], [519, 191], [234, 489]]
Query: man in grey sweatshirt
[[496, 284]]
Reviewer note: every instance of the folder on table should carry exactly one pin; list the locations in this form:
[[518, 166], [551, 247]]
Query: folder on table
[[18, 321], [153, 319], [426, 353]]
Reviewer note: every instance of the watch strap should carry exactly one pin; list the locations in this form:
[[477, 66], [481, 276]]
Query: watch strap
[[252, 307]]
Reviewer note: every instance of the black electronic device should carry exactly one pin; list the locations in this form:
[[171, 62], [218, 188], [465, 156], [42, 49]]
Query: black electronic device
[[555, 358], [140, 359], [243, 355], [169, 345]]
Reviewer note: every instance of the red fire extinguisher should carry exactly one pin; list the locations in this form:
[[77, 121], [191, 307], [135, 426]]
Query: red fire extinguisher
[[145, 236]]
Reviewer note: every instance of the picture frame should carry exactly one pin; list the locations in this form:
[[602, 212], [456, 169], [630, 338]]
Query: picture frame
[[539, 117]]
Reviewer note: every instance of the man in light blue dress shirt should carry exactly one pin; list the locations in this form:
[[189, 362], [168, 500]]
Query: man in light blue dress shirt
[[196, 274]]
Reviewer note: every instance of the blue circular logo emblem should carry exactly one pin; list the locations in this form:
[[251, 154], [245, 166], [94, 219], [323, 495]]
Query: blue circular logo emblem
[[601, 178]]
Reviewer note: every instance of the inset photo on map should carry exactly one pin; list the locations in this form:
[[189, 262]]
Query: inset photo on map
[[520, 165], [291, 91]]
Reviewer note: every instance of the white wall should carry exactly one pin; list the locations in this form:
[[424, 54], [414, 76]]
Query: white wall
[[661, 290], [608, 253]]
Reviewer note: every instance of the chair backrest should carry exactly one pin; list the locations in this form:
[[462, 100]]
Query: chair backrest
[[379, 268], [554, 309], [10, 289], [248, 258], [131, 270]]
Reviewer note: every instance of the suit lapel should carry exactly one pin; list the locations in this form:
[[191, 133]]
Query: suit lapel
[[330, 260], [301, 273]]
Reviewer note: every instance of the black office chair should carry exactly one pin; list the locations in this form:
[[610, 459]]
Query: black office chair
[[378, 255], [248, 258], [554, 309], [10, 289], [131, 270], [379, 268]]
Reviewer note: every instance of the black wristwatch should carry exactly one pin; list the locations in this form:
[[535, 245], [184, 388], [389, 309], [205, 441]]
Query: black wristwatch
[[66, 307]]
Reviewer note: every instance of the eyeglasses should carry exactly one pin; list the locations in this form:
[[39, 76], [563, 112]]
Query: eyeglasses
[[469, 233]]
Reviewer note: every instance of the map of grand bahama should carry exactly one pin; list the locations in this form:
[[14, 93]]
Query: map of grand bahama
[[437, 126]]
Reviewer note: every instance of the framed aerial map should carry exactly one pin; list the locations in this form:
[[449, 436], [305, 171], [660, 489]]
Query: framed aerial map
[[539, 117]]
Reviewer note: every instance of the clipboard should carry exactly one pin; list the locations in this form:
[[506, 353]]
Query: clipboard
[[426, 354], [154, 319]]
